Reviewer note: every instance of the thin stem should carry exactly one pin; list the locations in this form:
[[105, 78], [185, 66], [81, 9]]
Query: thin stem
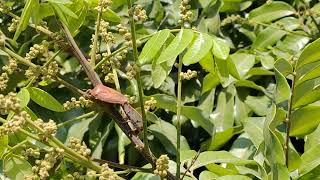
[[19, 58], [279, 28], [122, 166], [178, 117], [19, 145], [79, 118], [288, 120], [95, 39], [192, 162], [135, 58]]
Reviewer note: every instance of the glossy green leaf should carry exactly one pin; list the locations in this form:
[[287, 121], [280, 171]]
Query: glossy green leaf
[[271, 11], [269, 36], [167, 134], [310, 160], [16, 167], [205, 175], [198, 49], [267, 61], [207, 62], [249, 84], [259, 104], [309, 54], [210, 81], [312, 139], [307, 98], [283, 91], [153, 46], [24, 97], [254, 127], [160, 72], [191, 112], [209, 157], [177, 45], [44, 99], [232, 177], [220, 48], [283, 66], [312, 74], [240, 64], [97, 151], [305, 120], [293, 42], [223, 72], [25, 17]]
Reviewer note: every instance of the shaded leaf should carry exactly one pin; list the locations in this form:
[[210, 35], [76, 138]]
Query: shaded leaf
[[24, 97], [16, 167], [309, 54], [305, 120], [283, 91]]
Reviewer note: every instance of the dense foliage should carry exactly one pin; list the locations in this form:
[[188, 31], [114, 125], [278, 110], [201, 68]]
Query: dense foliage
[[237, 81]]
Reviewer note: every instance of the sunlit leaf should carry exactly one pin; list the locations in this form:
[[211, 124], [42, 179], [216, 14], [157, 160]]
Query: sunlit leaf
[[44, 99]]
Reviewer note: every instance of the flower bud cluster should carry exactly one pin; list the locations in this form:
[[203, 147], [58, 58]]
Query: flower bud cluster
[[185, 11], [11, 67], [14, 124], [233, 19], [112, 62], [49, 128], [131, 99], [4, 79], [50, 71], [188, 75], [150, 104], [106, 36], [76, 145], [4, 8], [74, 103], [108, 173], [14, 24], [74, 176], [2, 39], [139, 13], [103, 5], [35, 51], [8, 103], [125, 33], [109, 78], [32, 152], [42, 167], [162, 166], [32, 72], [131, 71], [91, 175]]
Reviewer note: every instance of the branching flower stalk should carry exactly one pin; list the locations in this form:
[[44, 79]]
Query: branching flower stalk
[[135, 58]]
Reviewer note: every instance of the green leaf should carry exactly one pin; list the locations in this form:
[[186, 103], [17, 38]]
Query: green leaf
[[210, 81], [207, 62], [78, 129], [3, 145], [283, 66], [259, 104], [44, 99], [24, 97], [25, 17], [67, 11], [112, 16], [269, 36], [305, 120], [220, 48], [167, 134], [312, 139], [249, 84], [153, 46], [223, 72], [307, 98], [199, 48], [309, 54], [232, 177], [240, 63], [209, 157], [267, 61], [310, 160], [191, 112], [271, 11], [97, 152], [312, 74], [178, 44], [205, 175], [293, 42], [16, 167], [160, 72], [283, 91], [254, 127]]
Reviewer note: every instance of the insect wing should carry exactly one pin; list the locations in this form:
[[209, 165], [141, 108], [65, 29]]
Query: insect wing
[[109, 95], [133, 115]]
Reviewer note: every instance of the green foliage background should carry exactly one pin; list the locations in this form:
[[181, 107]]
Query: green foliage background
[[257, 68]]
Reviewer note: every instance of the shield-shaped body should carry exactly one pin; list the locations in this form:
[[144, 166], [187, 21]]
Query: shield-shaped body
[[109, 95]]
